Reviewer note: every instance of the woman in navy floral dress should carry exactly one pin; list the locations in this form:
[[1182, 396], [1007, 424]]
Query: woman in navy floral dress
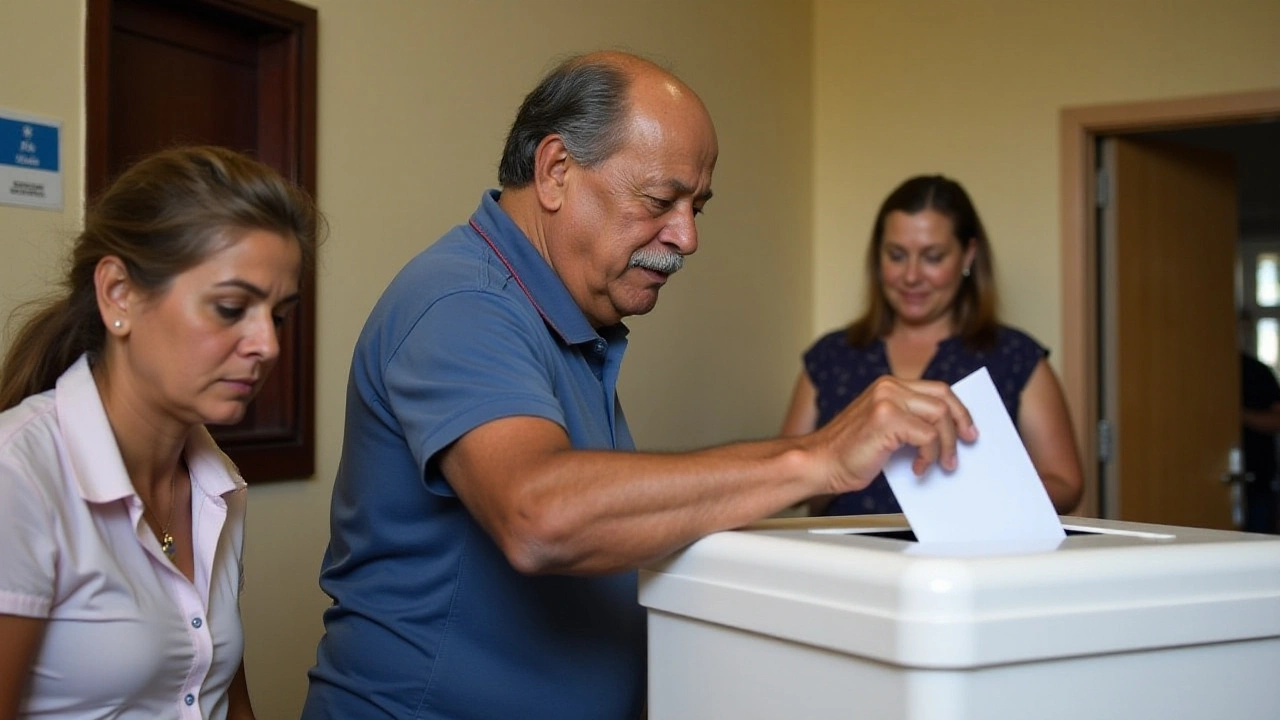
[[931, 314]]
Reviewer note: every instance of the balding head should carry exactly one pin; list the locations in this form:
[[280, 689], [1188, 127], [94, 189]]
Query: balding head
[[587, 101], [608, 163]]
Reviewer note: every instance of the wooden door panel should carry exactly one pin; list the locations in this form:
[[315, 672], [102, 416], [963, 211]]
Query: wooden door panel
[[1178, 370], [184, 96], [235, 73]]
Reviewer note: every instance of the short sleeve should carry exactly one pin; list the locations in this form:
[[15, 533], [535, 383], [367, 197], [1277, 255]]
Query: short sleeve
[[1018, 355], [471, 358], [28, 552], [811, 360]]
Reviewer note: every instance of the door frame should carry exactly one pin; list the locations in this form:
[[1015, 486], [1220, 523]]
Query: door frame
[[1079, 128]]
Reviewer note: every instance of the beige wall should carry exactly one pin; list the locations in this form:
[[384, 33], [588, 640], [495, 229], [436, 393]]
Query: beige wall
[[41, 55], [973, 89], [415, 99]]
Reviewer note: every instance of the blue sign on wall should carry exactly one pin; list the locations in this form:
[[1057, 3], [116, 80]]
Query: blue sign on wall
[[28, 144], [30, 164]]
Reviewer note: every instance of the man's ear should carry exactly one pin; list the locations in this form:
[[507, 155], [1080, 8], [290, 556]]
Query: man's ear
[[115, 294], [550, 169]]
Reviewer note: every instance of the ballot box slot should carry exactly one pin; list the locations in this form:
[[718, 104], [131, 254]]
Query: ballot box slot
[[905, 534], [908, 535]]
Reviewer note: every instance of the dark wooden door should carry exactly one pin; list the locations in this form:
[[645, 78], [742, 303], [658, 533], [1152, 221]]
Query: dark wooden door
[[235, 73]]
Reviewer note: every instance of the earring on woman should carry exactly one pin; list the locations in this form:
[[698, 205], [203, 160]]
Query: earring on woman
[[965, 271], [120, 323]]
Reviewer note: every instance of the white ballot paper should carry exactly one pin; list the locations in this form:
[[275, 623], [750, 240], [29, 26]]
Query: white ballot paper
[[993, 499]]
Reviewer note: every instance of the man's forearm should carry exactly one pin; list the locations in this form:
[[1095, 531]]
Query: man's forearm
[[589, 512]]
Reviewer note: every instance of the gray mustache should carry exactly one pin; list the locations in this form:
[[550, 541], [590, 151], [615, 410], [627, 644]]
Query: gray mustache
[[664, 262]]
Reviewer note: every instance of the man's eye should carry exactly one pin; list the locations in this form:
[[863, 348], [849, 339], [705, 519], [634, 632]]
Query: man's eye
[[660, 203]]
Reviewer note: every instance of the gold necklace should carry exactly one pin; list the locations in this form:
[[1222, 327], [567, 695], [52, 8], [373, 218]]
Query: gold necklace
[[166, 540]]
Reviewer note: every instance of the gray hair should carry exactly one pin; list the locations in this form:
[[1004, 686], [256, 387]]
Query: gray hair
[[582, 100]]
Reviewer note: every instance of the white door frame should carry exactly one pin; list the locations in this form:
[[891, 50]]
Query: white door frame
[[1079, 127]]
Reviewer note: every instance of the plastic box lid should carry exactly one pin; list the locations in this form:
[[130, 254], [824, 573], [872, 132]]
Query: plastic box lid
[[1108, 587]]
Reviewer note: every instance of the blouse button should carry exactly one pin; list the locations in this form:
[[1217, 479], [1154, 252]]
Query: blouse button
[[196, 623], [189, 699]]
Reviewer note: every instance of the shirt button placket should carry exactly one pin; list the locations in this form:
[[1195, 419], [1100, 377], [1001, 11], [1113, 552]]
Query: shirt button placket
[[189, 699]]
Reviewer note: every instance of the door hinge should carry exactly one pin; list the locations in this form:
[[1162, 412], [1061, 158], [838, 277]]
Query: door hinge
[[1105, 446], [1103, 188]]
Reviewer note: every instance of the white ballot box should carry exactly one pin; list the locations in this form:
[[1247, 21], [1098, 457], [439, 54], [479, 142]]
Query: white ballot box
[[802, 619]]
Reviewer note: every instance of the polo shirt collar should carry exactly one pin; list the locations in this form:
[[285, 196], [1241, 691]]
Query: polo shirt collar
[[95, 458], [531, 272]]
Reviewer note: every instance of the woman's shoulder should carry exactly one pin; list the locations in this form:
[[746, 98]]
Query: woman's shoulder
[[1010, 339], [834, 347], [32, 422], [31, 446], [1017, 355]]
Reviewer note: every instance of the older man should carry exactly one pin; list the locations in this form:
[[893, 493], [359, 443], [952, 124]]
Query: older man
[[485, 525]]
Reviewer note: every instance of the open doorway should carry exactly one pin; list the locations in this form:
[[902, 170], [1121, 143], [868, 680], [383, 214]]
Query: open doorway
[[1254, 149], [1197, 124]]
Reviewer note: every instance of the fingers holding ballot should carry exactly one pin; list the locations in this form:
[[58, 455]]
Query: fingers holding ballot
[[891, 414]]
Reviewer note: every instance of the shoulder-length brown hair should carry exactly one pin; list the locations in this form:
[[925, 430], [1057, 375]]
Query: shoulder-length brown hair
[[974, 307]]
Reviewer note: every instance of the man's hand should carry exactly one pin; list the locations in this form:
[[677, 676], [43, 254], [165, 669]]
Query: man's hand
[[889, 415]]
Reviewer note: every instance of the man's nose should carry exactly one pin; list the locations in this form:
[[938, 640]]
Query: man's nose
[[682, 231]]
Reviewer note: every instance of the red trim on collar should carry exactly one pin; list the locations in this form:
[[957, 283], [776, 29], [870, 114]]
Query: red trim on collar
[[511, 269]]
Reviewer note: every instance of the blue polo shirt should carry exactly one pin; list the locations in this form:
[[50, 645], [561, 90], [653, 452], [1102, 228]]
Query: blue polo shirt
[[428, 618]]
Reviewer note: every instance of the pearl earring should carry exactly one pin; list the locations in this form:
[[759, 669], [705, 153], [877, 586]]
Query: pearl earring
[[965, 272], [117, 324]]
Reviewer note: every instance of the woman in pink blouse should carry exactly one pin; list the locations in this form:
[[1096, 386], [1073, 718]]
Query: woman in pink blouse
[[121, 522]]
